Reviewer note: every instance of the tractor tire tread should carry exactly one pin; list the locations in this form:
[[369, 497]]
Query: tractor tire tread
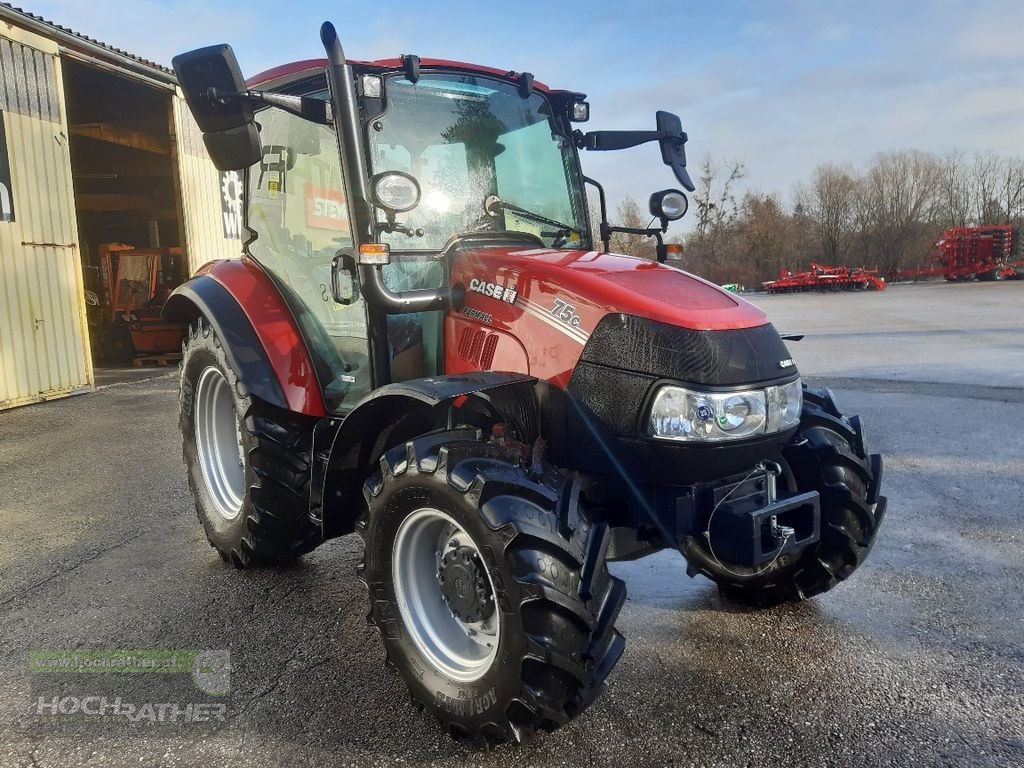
[[565, 663]]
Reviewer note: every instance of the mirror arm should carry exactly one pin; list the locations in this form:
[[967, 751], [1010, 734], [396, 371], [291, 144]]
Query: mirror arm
[[604, 141], [659, 249], [646, 232], [314, 110]]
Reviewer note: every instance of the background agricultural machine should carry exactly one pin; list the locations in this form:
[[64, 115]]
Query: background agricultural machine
[[126, 292], [968, 253], [821, 278]]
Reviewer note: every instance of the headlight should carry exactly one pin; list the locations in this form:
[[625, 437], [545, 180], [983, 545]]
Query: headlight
[[690, 415], [784, 405]]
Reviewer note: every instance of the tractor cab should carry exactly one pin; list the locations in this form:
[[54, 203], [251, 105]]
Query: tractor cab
[[364, 179]]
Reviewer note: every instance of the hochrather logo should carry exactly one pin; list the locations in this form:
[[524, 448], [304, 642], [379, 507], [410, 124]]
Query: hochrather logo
[[185, 686], [153, 712]]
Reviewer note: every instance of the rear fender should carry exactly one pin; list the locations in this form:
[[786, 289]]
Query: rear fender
[[349, 449], [260, 336]]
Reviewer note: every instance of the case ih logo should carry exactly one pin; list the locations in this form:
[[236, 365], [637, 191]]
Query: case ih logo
[[231, 204], [495, 291], [6, 190], [325, 208]]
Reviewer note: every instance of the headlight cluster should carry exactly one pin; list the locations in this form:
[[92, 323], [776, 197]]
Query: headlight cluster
[[691, 415]]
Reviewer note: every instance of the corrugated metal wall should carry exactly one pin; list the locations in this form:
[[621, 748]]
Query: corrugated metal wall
[[44, 343], [200, 194]]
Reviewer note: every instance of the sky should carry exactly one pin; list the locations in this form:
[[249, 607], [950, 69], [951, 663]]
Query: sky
[[781, 86]]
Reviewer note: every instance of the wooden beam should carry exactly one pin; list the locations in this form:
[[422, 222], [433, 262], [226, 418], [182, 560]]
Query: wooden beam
[[123, 173], [124, 137], [110, 202]]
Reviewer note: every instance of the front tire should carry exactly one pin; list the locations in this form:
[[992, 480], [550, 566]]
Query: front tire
[[248, 462], [489, 587], [827, 455]]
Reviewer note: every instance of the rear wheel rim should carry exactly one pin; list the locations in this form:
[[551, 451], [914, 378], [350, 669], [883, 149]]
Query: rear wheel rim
[[219, 443], [462, 651]]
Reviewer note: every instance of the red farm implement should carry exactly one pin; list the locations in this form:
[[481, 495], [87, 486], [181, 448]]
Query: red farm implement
[[822, 279], [967, 253]]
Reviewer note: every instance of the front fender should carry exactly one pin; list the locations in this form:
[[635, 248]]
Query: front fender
[[260, 336], [383, 419]]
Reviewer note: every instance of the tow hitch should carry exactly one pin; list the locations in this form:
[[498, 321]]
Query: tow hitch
[[750, 525]]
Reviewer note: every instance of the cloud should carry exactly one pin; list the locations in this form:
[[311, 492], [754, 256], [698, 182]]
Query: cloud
[[783, 87], [833, 33]]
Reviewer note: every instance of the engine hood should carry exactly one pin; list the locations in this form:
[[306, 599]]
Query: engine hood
[[601, 283], [533, 310]]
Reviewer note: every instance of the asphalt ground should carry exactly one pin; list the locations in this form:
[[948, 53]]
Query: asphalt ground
[[916, 660]]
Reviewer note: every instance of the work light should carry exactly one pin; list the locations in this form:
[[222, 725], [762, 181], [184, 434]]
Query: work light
[[668, 205], [394, 191], [372, 86]]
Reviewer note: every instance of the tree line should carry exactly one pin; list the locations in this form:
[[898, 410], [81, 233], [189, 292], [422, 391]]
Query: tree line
[[886, 216]]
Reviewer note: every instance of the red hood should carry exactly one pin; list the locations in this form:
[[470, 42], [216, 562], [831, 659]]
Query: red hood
[[532, 310], [610, 282]]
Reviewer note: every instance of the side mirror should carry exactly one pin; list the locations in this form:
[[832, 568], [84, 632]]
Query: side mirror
[[344, 284], [673, 146], [213, 86]]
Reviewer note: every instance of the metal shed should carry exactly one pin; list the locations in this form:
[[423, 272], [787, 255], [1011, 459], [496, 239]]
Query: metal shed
[[97, 147]]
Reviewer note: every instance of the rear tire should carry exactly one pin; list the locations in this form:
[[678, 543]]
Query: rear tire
[[827, 455], [254, 506], [552, 604]]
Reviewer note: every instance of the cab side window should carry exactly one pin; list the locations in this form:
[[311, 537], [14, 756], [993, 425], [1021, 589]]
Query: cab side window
[[296, 205]]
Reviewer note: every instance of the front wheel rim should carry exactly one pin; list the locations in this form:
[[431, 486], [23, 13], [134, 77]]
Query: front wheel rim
[[460, 650], [219, 443]]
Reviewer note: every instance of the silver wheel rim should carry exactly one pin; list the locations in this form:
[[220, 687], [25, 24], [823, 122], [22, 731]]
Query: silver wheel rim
[[219, 443], [462, 651]]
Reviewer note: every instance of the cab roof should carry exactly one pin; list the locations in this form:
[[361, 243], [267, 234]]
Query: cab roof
[[286, 74]]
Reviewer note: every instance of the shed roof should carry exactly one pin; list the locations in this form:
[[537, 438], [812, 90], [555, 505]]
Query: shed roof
[[89, 45]]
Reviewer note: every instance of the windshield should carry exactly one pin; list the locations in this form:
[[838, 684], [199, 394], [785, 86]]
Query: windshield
[[465, 138]]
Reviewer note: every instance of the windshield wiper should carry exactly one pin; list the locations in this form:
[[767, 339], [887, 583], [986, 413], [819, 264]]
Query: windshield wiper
[[493, 204]]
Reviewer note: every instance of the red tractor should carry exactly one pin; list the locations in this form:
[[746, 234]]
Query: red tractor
[[422, 345]]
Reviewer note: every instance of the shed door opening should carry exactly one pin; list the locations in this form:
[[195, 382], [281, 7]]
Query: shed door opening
[[124, 167]]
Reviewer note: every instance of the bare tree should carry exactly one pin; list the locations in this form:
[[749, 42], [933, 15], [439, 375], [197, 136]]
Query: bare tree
[[954, 198], [715, 197], [712, 247], [765, 227], [829, 202], [901, 189], [889, 217], [986, 178], [1012, 190]]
